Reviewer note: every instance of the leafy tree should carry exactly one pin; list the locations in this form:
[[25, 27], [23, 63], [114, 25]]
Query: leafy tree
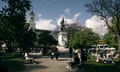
[[110, 40], [84, 39], [108, 9], [12, 21], [28, 39], [46, 39], [71, 30]]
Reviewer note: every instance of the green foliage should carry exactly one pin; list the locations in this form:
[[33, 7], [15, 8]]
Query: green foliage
[[12, 63], [46, 39], [12, 23], [110, 39], [84, 39], [115, 24], [107, 9], [93, 66], [28, 39], [71, 30]]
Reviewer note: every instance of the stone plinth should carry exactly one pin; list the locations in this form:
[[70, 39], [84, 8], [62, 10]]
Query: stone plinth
[[63, 49], [62, 39]]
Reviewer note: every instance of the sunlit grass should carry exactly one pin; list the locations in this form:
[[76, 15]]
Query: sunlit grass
[[93, 66]]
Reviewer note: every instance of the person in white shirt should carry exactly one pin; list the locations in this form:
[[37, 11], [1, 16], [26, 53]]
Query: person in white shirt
[[27, 57]]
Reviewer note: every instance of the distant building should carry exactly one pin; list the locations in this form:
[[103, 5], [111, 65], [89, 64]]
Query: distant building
[[32, 26], [32, 21]]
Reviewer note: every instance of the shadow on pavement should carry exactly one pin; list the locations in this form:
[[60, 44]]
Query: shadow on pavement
[[31, 67], [63, 59]]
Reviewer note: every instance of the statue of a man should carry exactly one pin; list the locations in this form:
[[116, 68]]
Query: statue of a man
[[62, 25]]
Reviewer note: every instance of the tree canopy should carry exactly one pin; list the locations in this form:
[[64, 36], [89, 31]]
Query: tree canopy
[[84, 39], [107, 9], [45, 38], [110, 40], [13, 21]]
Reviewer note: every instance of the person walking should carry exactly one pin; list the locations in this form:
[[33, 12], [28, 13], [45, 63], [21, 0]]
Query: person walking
[[54, 52]]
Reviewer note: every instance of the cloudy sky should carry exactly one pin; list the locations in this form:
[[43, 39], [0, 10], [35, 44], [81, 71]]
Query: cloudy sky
[[48, 14], [96, 24]]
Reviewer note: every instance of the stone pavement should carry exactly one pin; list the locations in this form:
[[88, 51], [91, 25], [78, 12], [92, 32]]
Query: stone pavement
[[45, 64]]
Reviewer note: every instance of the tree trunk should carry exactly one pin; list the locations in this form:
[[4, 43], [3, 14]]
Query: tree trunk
[[119, 45]]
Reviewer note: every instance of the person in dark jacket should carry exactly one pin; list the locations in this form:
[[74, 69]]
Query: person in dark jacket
[[76, 60], [54, 53], [84, 58]]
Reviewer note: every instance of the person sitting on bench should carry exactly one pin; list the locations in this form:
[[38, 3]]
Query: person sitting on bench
[[75, 62], [28, 58]]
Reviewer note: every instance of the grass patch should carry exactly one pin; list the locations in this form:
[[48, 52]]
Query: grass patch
[[92, 66], [12, 62]]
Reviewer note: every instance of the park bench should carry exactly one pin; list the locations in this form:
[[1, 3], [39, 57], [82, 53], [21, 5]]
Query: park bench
[[28, 60]]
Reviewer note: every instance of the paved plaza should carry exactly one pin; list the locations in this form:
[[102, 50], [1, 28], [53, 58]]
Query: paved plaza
[[45, 64]]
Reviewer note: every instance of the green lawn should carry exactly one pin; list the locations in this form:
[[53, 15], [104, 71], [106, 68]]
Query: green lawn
[[12, 62], [92, 66]]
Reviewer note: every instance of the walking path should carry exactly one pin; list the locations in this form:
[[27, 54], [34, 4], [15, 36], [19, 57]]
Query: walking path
[[45, 64], [48, 65]]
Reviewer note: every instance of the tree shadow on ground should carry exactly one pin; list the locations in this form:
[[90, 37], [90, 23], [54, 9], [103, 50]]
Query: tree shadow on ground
[[12, 66], [36, 56], [34, 67], [99, 68], [63, 59]]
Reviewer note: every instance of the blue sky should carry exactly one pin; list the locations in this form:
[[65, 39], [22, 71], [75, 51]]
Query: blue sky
[[48, 14], [53, 9]]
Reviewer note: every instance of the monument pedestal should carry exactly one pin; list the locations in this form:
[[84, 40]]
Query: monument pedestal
[[63, 49], [62, 41]]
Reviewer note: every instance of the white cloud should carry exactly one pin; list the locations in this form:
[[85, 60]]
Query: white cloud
[[70, 21], [73, 20], [76, 15], [67, 20], [96, 24], [39, 15], [60, 19], [67, 11], [45, 24]]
